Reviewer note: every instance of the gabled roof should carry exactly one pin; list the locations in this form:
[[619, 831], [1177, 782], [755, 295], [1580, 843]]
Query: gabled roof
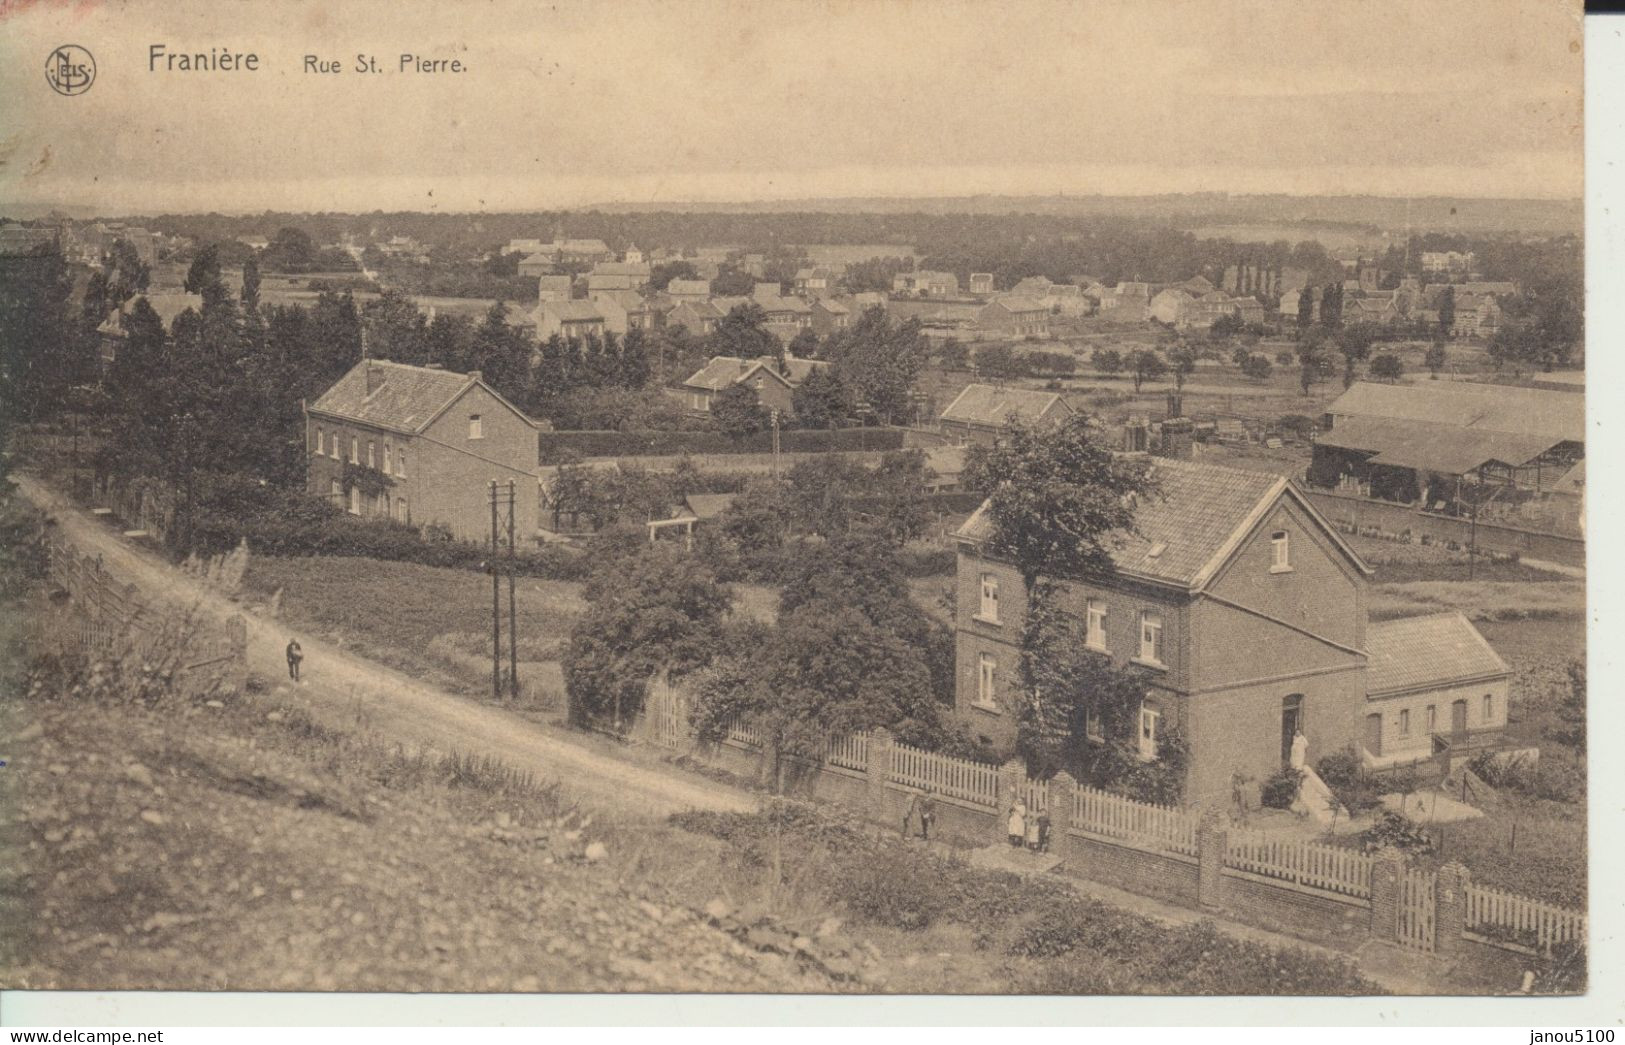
[[1444, 448], [1016, 303], [702, 309], [553, 282], [1423, 652], [831, 305], [1194, 521], [572, 311], [1495, 408], [403, 398], [621, 268], [990, 405], [708, 505], [696, 287], [723, 371]]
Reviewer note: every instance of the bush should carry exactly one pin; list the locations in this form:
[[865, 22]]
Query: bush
[[557, 446], [1281, 790], [1548, 778], [1398, 832], [895, 888], [1344, 774]]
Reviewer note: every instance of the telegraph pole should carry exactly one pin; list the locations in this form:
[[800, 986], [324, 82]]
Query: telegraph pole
[[496, 603], [513, 616], [775, 419]]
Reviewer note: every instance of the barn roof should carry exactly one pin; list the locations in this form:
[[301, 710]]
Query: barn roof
[[991, 405], [1417, 652], [1492, 408], [1441, 448]]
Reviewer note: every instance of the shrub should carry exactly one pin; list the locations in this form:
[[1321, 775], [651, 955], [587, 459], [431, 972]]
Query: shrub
[[1344, 773], [1281, 790], [1398, 832], [1549, 778], [895, 888]]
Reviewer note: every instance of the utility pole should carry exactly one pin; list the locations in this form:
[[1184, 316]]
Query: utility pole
[[496, 603], [513, 616], [775, 419]]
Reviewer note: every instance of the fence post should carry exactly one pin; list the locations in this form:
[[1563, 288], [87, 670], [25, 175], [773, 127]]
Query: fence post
[[1062, 797], [1450, 906], [878, 772], [1012, 777], [1212, 841], [1386, 868]]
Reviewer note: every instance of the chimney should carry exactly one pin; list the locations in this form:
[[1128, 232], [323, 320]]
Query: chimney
[[476, 375], [374, 379]]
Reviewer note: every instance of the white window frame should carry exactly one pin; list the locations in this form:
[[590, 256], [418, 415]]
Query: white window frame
[[355, 450], [1150, 733], [355, 500], [372, 454], [400, 463], [476, 426], [987, 682], [320, 437], [1093, 729], [1094, 628], [1404, 722], [1431, 717], [1280, 552], [1150, 651], [1488, 708], [335, 490], [333, 447], [988, 608], [389, 459]]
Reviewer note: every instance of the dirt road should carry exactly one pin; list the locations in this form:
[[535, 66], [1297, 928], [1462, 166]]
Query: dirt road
[[391, 703]]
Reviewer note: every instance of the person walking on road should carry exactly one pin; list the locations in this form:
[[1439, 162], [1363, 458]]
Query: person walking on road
[[928, 814], [1017, 823], [295, 655]]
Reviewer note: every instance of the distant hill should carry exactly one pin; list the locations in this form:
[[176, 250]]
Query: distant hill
[[1436, 213]]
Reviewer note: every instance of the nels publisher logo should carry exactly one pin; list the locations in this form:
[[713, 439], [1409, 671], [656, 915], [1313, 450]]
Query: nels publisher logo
[[70, 69]]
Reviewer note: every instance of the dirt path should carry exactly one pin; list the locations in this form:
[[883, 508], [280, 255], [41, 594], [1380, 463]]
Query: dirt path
[[394, 704]]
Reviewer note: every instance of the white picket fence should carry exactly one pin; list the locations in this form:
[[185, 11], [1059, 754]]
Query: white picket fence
[[1344, 871], [849, 752], [1035, 794], [740, 733], [1113, 816], [971, 782], [1542, 924], [1418, 910]]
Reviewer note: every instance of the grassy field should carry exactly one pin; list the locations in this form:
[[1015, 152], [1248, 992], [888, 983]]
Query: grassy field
[[436, 622], [1482, 599]]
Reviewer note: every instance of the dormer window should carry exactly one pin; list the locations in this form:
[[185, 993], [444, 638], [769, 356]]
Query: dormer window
[[1280, 552]]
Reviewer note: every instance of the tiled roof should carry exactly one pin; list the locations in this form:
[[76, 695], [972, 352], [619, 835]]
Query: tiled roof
[[573, 311], [1417, 652], [1195, 512], [403, 397], [1018, 303], [1494, 408], [991, 405], [719, 373], [699, 287], [1444, 448]]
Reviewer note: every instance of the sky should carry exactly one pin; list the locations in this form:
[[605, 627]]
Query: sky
[[643, 101]]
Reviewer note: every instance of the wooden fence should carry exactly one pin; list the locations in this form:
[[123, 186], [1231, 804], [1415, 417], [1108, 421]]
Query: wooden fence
[[1344, 871], [1498, 915], [849, 752], [1418, 910], [972, 782], [1123, 819]]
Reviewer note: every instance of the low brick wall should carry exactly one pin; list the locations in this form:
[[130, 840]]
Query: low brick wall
[[1294, 909], [1165, 876], [1362, 514]]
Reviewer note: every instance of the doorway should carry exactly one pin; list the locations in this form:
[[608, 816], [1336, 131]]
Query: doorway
[[1291, 723], [1373, 734], [1458, 717]]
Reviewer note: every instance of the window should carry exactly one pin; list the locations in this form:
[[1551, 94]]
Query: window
[[1489, 708], [388, 465], [1092, 727], [989, 610], [1150, 730], [987, 682], [335, 491], [400, 510], [1151, 637], [1431, 716], [1280, 552], [333, 447], [474, 429], [1405, 722], [372, 461], [400, 464], [355, 450], [1095, 630], [355, 500], [319, 438]]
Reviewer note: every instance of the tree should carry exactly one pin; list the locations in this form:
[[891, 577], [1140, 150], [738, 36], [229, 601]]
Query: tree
[[251, 283], [804, 345], [879, 362], [999, 362], [742, 333], [1054, 494], [655, 611], [1447, 310], [502, 354], [1106, 360], [1331, 306], [1387, 367], [1225, 326], [1256, 367], [395, 329], [821, 401], [1306, 375], [1182, 363], [660, 276], [1435, 359], [737, 412], [1306, 308], [1146, 365], [291, 250], [953, 354]]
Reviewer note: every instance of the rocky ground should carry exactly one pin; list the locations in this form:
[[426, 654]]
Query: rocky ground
[[245, 845]]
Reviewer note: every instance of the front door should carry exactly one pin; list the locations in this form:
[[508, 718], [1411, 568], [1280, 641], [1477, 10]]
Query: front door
[[1291, 722], [1458, 717], [1373, 734]]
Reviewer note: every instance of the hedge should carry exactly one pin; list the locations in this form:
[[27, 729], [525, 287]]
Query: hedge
[[555, 445]]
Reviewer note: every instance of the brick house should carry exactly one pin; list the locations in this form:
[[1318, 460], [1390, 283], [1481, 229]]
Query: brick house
[[697, 317], [569, 318], [1014, 317], [419, 445], [829, 315], [1247, 612], [773, 389]]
